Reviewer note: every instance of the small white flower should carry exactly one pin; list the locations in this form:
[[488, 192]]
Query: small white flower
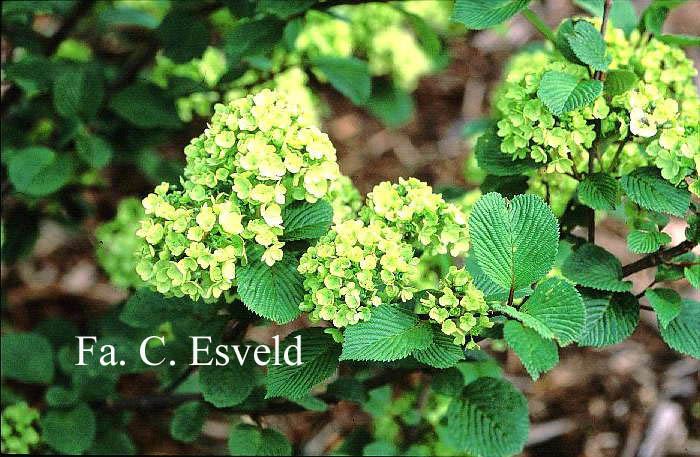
[[641, 124]]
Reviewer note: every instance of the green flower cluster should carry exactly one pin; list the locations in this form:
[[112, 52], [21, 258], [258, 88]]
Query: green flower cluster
[[354, 267], [19, 428], [427, 222], [379, 32], [117, 242], [660, 115], [345, 199], [258, 155], [558, 189], [460, 309]]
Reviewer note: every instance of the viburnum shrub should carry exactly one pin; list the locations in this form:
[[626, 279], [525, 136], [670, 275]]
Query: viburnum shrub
[[395, 295]]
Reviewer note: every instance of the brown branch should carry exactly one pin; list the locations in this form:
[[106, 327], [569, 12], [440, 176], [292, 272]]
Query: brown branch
[[657, 258], [607, 6]]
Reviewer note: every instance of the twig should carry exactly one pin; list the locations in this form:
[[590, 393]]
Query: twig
[[600, 75], [616, 157], [658, 258]]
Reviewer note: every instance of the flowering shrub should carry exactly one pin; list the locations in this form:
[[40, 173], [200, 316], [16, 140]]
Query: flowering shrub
[[400, 298]]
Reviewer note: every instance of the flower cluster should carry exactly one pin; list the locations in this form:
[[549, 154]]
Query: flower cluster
[[19, 429], [345, 199], [354, 267], [380, 33], [460, 308], [258, 155], [427, 222], [659, 117], [117, 242]]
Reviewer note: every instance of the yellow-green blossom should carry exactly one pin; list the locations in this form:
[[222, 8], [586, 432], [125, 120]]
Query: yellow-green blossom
[[19, 429]]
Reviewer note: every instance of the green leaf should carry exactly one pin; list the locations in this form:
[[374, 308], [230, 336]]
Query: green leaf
[[489, 418], [617, 82], [441, 353], [145, 106], [188, 420], [593, 266], [680, 40], [494, 162], [61, 397], [481, 14], [390, 103], [26, 357], [319, 357], [598, 191], [514, 242], [646, 241], [564, 32], [347, 388], [122, 16], [306, 221], [683, 333], [39, 171], [348, 75], [183, 36], [536, 353], [284, 9], [609, 321], [380, 447], [252, 38], [448, 382], [527, 319], [93, 150], [646, 187], [113, 442], [588, 45], [249, 440], [558, 305], [692, 274], [391, 333], [311, 403], [230, 384], [623, 15], [69, 431], [147, 309], [271, 292], [666, 303], [78, 92], [562, 93]]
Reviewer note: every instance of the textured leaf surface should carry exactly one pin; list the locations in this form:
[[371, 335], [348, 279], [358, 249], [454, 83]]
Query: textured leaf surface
[[78, 92], [692, 274], [252, 38], [183, 36], [230, 384], [646, 241], [618, 82], [319, 356], [441, 353], [271, 292], [26, 357], [536, 353], [514, 242], [562, 93], [69, 431], [489, 418], [680, 40], [305, 221], [593, 266], [145, 106], [249, 440], [558, 305], [598, 191], [391, 333], [647, 188], [530, 321], [588, 45], [609, 321], [494, 162], [93, 150], [666, 303], [187, 421], [347, 75], [481, 14], [683, 333]]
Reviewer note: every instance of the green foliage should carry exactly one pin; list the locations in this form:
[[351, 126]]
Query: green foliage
[[599, 191], [305, 221], [666, 303], [593, 266], [588, 46], [536, 353], [38, 171], [187, 421], [19, 429], [682, 333], [70, 431], [145, 106], [515, 242], [227, 385], [646, 241], [349, 76], [617, 82], [609, 320], [562, 93], [441, 353], [488, 418], [249, 440], [23, 364], [647, 188], [319, 358], [392, 334], [558, 305], [493, 161], [481, 14]]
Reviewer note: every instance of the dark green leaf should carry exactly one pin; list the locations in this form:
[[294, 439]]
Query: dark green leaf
[[69, 431], [252, 38], [306, 221], [617, 82], [598, 191], [494, 162], [593, 266], [26, 357], [348, 75], [562, 93], [39, 171], [536, 353], [481, 14], [646, 187], [666, 303], [683, 333], [249, 440], [187, 421], [183, 36], [609, 321], [390, 103], [93, 150]]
